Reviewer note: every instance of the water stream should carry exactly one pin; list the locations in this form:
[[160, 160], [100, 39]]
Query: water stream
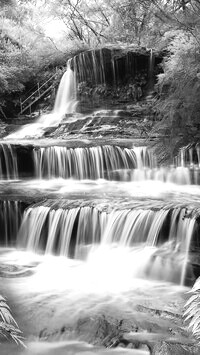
[[65, 103], [93, 230]]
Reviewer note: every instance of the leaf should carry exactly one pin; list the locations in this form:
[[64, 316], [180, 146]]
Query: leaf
[[191, 299]]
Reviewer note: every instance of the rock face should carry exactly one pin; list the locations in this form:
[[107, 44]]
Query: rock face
[[119, 82], [115, 94], [130, 121], [110, 77]]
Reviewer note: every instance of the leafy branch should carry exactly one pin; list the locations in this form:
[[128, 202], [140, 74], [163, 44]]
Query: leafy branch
[[8, 327], [192, 310]]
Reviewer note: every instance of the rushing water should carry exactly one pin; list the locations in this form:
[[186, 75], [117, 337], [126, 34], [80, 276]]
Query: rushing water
[[89, 163], [65, 103], [78, 292], [8, 162], [99, 229], [94, 162]]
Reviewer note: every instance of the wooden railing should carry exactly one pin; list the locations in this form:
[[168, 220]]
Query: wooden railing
[[42, 90]]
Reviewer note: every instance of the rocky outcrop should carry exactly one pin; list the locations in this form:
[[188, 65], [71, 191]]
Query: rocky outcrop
[[111, 76], [125, 121]]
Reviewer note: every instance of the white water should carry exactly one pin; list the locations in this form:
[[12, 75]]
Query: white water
[[188, 156], [80, 215], [89, 163], [62, 292], [65, 103], [107, 161], [50, 230], [8, 162], [128, 240]]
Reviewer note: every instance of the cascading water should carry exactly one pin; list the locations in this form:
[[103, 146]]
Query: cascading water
[[8, 162], [10, 220], [65, 103], [188, 156], [109, 162], [89, 163], [90, 67], [106, 234], [70, 232]]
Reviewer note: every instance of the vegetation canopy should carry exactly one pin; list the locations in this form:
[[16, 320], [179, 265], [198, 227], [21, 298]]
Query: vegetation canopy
[[36, 36]]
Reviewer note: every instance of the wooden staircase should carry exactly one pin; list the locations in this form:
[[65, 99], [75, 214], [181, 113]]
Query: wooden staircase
[[40, 91]]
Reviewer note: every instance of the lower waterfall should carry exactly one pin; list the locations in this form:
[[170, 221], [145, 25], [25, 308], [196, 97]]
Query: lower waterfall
[[8, 162], [75, 232], [10, 219]]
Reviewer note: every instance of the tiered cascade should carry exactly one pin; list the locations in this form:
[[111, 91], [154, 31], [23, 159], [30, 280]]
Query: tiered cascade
[[89, 163], [111, 162], [58, 229], [69, 225]]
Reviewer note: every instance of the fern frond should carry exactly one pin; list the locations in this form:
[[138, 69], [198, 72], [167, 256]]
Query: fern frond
[[8, 326], [192, 310]]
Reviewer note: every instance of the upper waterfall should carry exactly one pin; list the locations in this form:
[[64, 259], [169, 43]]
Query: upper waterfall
[[65, 103]]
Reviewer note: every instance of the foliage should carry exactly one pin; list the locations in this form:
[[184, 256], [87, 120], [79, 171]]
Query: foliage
[[27, 53], [95, 22], [36, 36], [192, 310], [178, 87], [178, 107], [8, 327]]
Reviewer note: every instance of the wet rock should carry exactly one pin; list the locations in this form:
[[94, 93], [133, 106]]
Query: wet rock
[[13, 271], [99, 331], [131, 121], [164, 348], [163, 344]]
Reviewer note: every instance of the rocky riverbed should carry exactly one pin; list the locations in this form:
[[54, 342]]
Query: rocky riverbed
[[73, 306]]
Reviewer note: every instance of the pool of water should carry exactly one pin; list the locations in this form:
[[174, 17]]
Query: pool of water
[[48, 294]]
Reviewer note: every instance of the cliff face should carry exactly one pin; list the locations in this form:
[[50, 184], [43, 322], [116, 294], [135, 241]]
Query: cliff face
[[110, 77], [115, 79], [113, 93]]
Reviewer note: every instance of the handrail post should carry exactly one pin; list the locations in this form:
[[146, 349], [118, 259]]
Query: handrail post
[[38, 89], [32, 99], [20, 105]]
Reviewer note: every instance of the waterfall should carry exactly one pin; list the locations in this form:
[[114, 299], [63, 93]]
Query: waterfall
[[70, 231], [65, 98], [8, 162], [89, 163], [188, 159], [151, 63], [10, 219], [188, 156], [90, 66], [54, 230], [108, 162], [65, 103], [151, 71]]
